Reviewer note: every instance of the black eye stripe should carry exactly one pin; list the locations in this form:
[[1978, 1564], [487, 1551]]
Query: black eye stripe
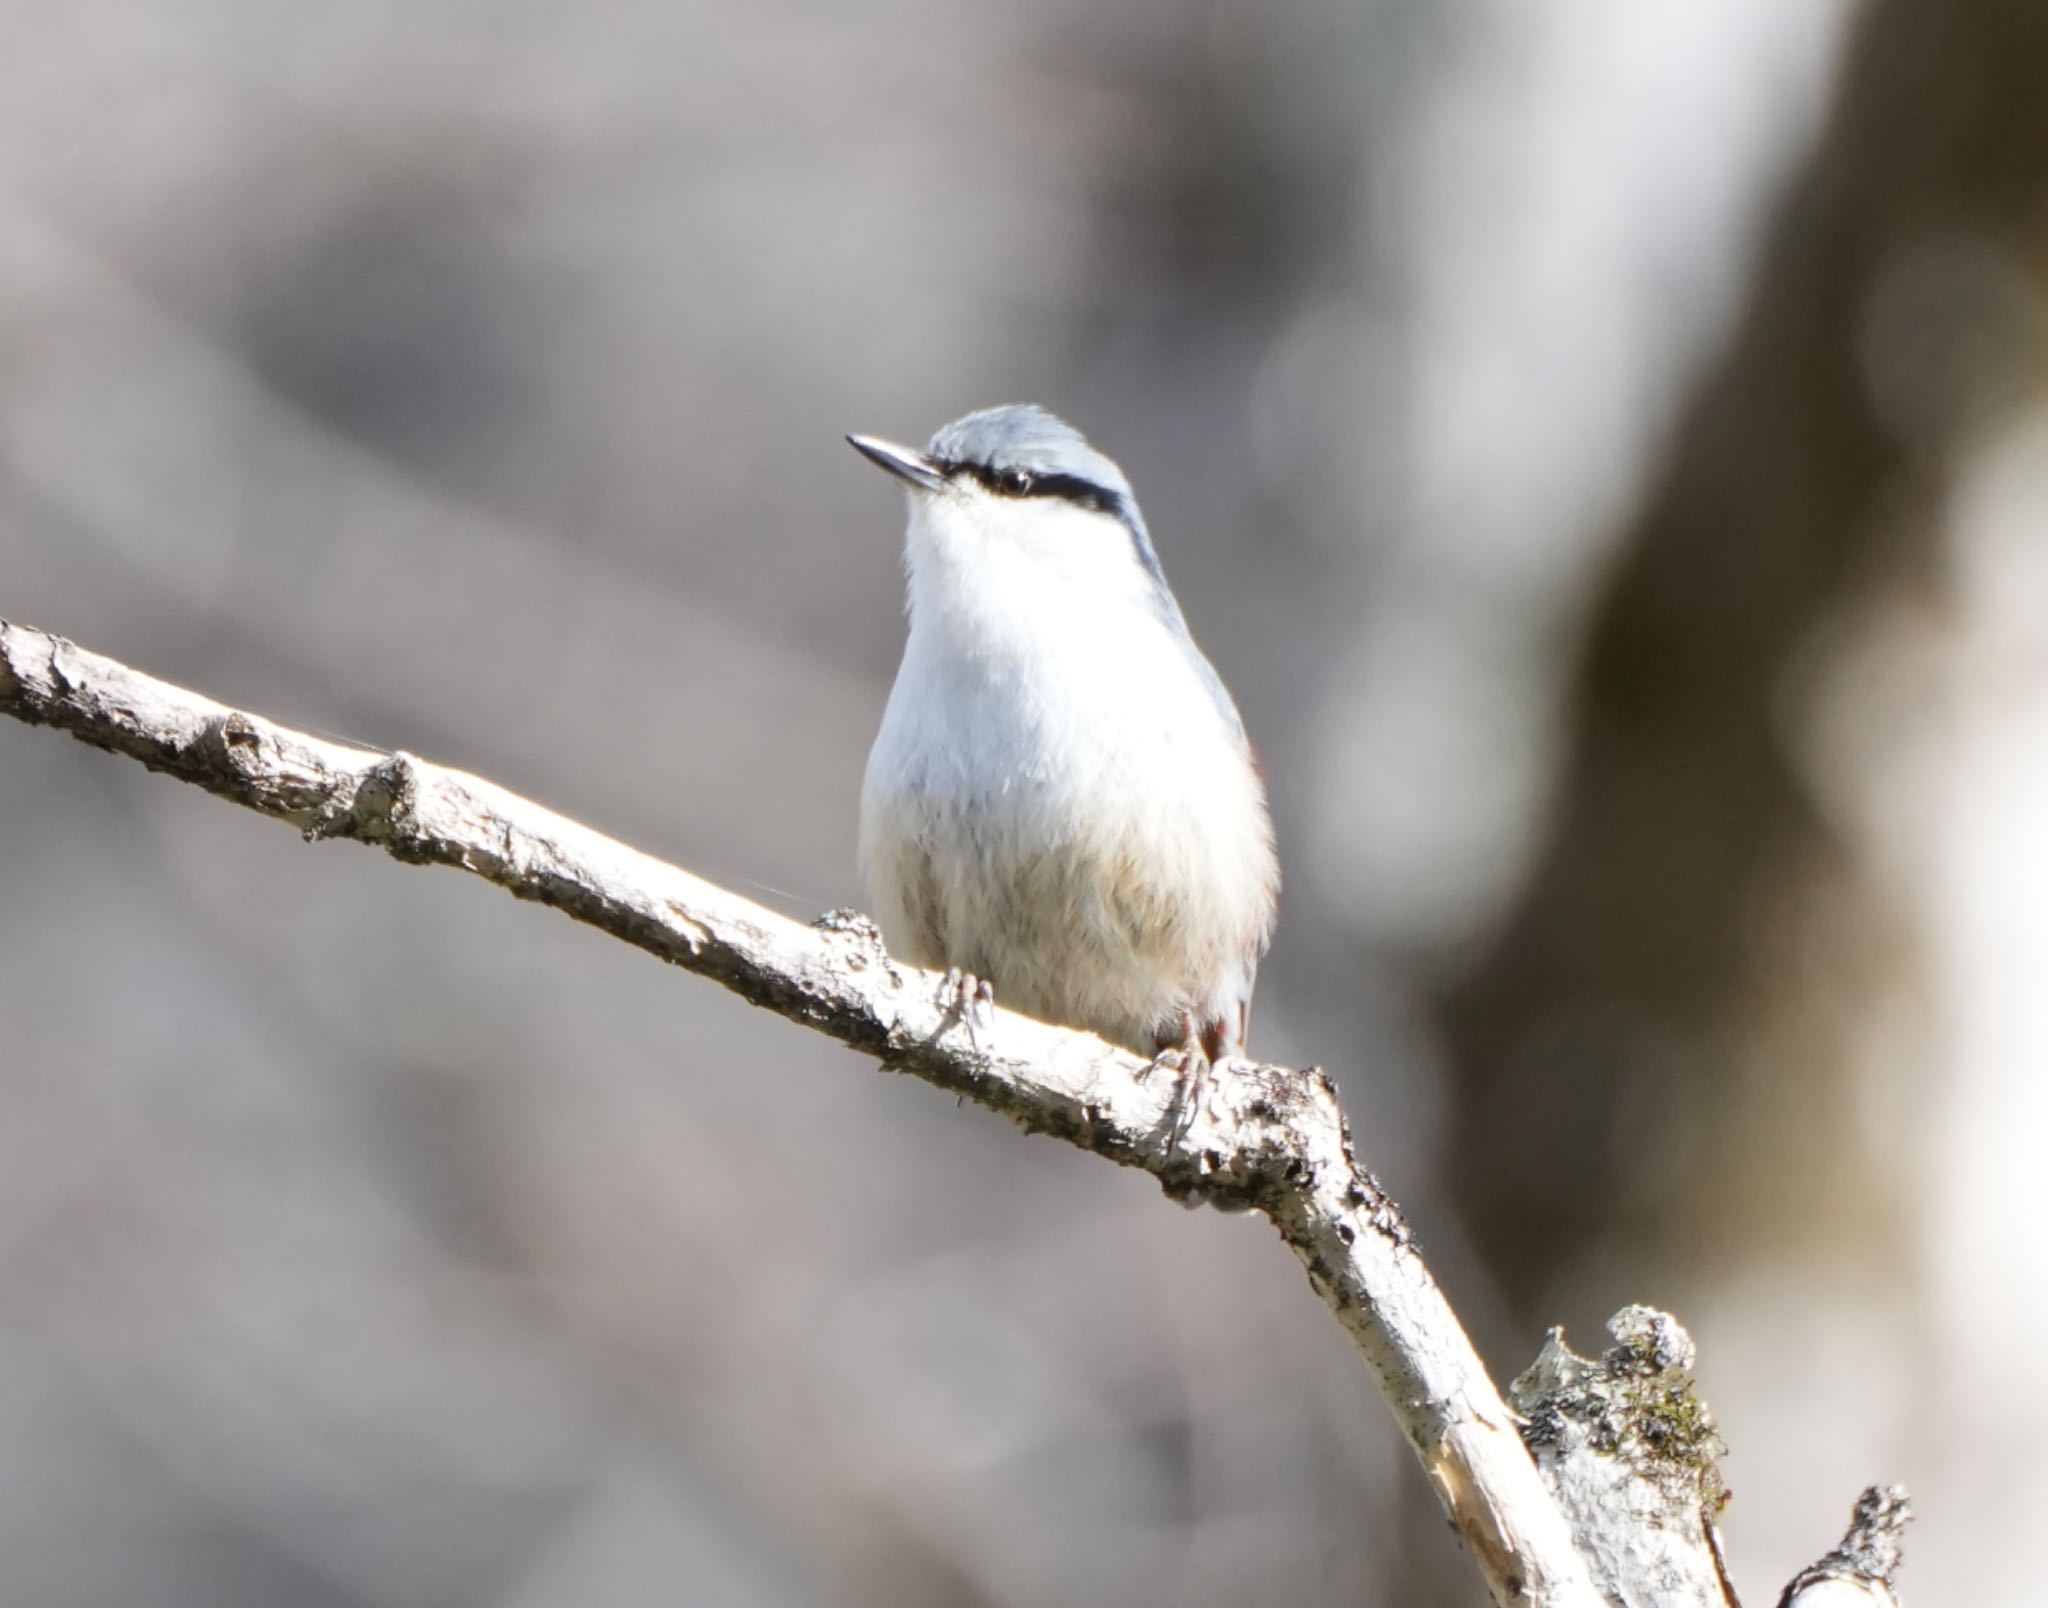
[[1024, 483]]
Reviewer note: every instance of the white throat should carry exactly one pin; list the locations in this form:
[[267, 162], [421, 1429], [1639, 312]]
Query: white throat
[[994, 580]]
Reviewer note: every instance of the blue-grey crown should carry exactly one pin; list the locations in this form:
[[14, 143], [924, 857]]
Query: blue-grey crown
[[1021, 436], [1021, 450]]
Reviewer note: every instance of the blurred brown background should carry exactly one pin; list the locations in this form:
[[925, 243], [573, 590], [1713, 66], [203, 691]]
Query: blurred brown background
[[1605, 448]]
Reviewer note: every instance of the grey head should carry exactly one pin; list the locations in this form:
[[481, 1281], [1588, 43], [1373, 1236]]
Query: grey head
[[1020, 450]]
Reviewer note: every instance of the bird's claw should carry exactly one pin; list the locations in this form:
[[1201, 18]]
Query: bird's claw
[[1191, 1071], [969, 1000]]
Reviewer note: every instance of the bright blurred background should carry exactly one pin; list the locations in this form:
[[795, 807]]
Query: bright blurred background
[[1605, 447]]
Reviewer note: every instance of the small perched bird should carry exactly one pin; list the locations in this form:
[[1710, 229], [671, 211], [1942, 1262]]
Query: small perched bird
[[1061, 801]]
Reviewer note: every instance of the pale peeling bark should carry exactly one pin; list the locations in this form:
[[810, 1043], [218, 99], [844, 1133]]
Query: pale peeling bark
[[1628, 1449], [1630, 1452], [1242, 1137]]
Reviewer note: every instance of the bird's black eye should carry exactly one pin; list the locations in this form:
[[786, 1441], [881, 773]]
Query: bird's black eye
[[1014, 482]]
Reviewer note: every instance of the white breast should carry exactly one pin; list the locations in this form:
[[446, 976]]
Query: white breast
[[1056, 802]]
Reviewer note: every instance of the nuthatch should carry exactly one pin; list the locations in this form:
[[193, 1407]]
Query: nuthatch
[[1061, 801]]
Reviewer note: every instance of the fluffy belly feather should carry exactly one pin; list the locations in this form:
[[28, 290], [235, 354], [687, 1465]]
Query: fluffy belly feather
[[1120, 926]]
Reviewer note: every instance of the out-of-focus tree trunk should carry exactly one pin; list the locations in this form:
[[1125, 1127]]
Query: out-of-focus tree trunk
[[1652, 1046]]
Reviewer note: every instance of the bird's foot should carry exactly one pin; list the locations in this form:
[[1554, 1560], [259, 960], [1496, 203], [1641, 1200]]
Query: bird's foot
[[1192, 1070], [970, 1001]]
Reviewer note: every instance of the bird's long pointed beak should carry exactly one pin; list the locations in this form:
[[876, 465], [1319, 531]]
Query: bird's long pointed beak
[[906, 465]]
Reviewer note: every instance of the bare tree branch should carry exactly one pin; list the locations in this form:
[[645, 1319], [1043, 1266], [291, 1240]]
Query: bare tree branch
[[1259, 1138], [1863, 1570], [1629, 1450], [1627, 1476]]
